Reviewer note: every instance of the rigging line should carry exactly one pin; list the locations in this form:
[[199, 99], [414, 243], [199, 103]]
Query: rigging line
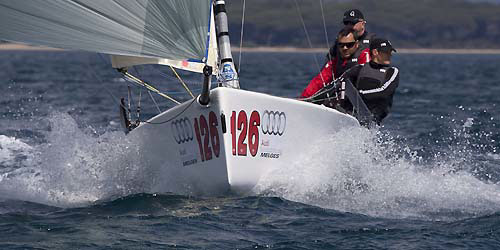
[[241, 35], [309, 41], [317, 100], [129, 99], [154, 101], [113, 97], [329, 57], [175, 116], [149, 92], [149, 87], [173, 93], [172, 78], [324, 24], [169, 77], [139, 105], [182, 82]]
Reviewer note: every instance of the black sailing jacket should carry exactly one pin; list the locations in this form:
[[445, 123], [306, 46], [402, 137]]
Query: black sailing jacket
[[376, 84]]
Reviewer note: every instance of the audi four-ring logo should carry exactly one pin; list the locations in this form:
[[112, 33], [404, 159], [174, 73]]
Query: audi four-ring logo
[[182, 130], [273, 122]]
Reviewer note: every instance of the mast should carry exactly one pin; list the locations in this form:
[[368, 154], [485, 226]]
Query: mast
[[228, 76]]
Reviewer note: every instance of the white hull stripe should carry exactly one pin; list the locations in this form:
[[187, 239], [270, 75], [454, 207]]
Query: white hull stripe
[[386, 84]]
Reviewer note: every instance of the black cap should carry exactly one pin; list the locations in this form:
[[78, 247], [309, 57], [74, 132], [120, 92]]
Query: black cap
[[381, 45], [353, 15]]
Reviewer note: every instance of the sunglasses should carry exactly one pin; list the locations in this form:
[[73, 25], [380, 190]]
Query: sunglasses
[[350, 23], [348, 45]]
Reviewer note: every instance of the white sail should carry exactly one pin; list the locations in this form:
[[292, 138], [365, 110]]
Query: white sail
[[158, 29], [119, 61]]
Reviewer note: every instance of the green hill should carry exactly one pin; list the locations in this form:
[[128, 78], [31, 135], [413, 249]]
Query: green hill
[[409, 24]]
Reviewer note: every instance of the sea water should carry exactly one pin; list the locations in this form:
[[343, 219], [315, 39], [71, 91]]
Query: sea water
[[427, 179]]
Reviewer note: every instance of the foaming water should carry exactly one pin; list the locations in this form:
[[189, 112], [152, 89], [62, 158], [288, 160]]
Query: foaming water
[[12, 151], [357, 170], [368, 172], [73, 167]]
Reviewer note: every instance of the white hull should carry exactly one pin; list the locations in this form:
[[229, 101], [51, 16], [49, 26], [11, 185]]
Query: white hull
[[192, 160]]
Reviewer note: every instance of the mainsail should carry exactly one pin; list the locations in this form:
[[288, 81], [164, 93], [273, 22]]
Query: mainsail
[[172, 32]]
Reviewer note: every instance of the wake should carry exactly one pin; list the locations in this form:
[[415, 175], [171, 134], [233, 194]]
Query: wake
[[73, 168], [367, 172], [357, 170]]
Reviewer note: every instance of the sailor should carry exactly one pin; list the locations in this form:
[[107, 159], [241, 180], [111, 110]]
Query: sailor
[[356, 20], [376, 81], [347, 46]]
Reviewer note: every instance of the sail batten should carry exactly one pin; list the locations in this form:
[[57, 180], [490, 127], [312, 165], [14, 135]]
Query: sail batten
[[166, 29]]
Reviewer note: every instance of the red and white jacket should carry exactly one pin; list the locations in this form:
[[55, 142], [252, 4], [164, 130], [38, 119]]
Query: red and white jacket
[[334, 69]]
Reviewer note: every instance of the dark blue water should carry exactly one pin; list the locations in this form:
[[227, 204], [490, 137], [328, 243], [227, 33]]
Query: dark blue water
[[428, 179]]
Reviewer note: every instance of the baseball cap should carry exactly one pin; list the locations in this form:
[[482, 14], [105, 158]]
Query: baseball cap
[[381, 44], [353, 15]]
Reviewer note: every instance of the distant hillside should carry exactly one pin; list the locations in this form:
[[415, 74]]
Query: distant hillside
[[410, 24], [485, 1]]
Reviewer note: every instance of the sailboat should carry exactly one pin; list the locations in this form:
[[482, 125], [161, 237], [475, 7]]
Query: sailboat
[[224, 138]]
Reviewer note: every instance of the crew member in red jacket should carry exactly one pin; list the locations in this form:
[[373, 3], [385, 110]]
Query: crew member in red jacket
[[348, 57]]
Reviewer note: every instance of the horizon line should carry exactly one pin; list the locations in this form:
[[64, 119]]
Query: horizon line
[[284, 49]]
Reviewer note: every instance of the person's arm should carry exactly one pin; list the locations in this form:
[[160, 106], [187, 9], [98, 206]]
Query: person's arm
[[352, 73], [390, 84], [319, 81]]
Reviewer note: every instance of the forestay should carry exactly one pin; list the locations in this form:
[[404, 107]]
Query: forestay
[[173, 32]]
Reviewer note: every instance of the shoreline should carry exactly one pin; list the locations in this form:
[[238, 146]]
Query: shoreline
[[22, 47], [400, 50]]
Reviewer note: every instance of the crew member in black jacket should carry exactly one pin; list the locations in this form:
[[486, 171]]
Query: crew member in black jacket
[[376, 81]]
